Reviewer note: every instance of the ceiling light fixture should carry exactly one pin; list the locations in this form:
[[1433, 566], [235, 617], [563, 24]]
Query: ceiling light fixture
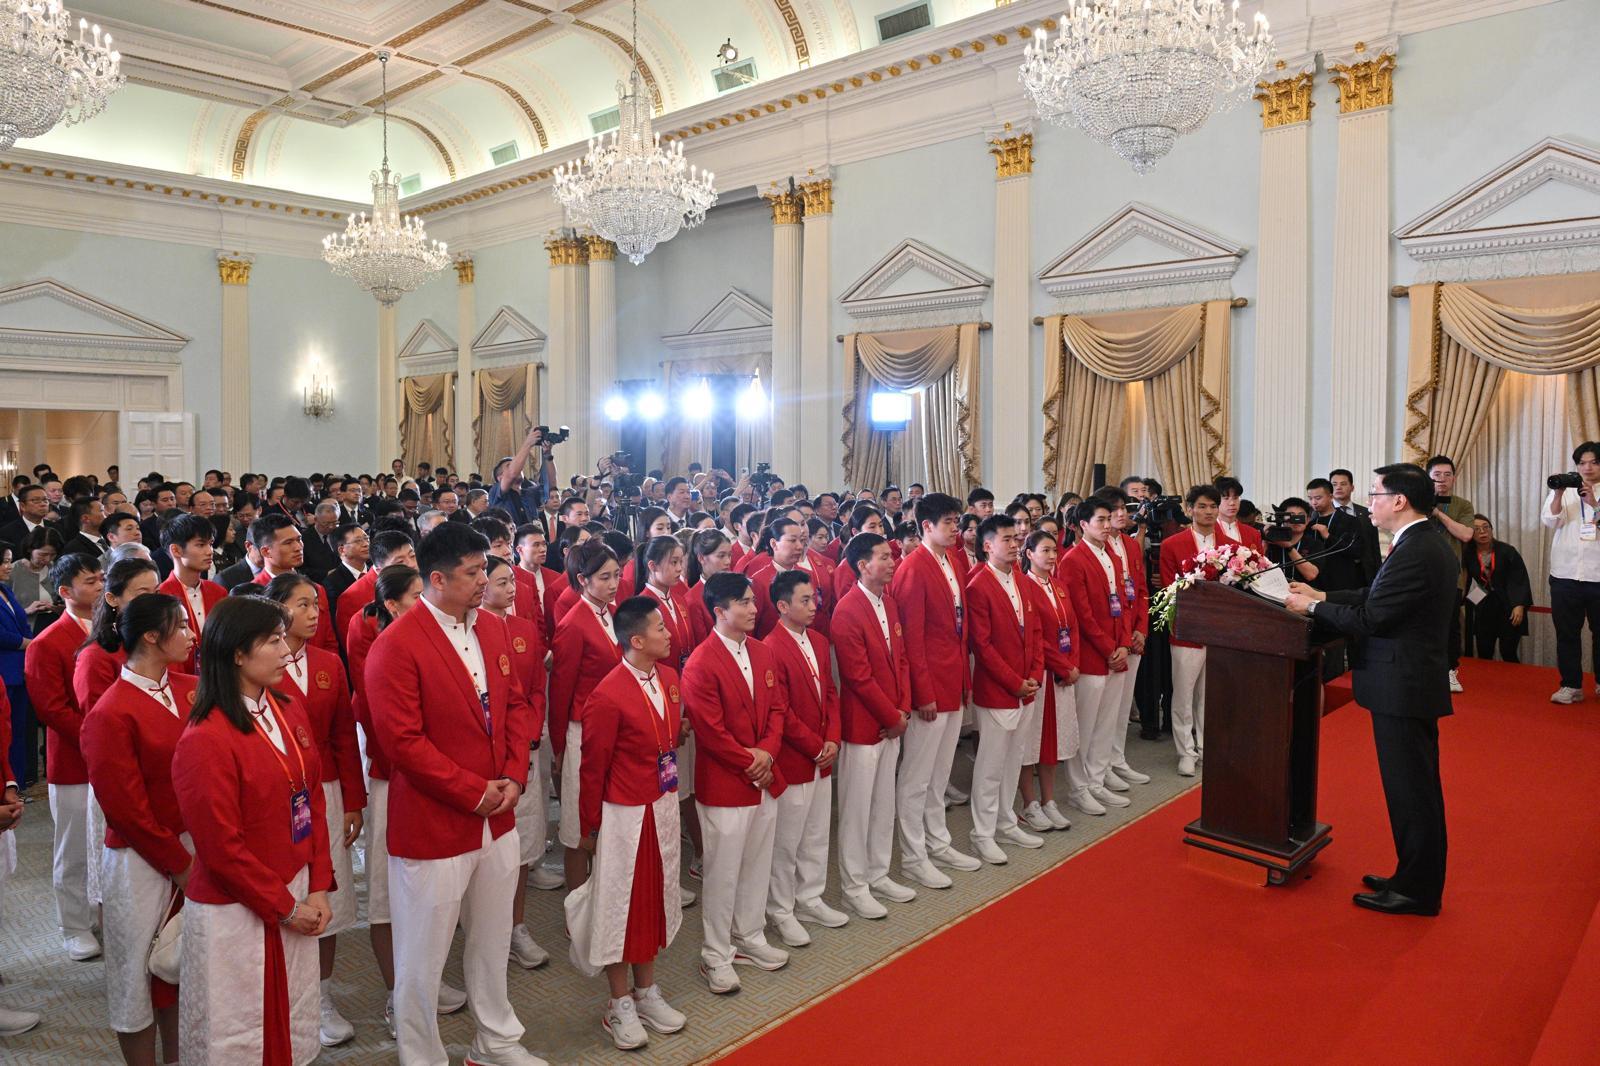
[[727, 53], [48, 77]]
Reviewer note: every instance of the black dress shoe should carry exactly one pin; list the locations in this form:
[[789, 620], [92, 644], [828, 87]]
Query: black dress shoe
[[1387, 902], [1374, 882]]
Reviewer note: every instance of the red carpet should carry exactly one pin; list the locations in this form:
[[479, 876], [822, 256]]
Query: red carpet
[[1126, 954]]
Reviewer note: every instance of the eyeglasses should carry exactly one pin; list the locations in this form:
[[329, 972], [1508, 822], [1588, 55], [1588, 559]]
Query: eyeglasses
[[1371, 494]]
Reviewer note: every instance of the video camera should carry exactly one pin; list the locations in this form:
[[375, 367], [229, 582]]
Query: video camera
[[761, 480], [1284, 526], [1562, 482], [1157, 512], [557, 437]]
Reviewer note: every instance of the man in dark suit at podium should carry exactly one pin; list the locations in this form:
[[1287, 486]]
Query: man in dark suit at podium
[[1400, 626]]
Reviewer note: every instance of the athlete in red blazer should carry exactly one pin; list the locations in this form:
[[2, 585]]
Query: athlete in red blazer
[[358, 644], [728, 721], [48, 667], [699, 616], [810, 721], [211, 594], [1004, 654], [1085, 581], [822, 569], [935, 645], [326, 702], [584, 653], [94, 672], [531, 604], [1053, 617], [679, 621], [354, 600], [1178, 553], [1139, 605], [875, 679], [622, 742], [527, 663], [326, 637]]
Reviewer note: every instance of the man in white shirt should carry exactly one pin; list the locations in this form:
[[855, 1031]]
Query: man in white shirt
[[1574, 515]]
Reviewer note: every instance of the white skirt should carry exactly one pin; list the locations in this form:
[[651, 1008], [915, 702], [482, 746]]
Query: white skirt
[[137, 899], [1066, 727], [342, 900], [597, 912], [570, 833], [97, 847], [220, 1011], [531, 825], [376, 857]]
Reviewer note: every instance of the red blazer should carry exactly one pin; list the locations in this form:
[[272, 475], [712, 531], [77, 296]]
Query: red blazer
[[1177, 555], [874, 678], [540, 608], [748, 563], [822, 569], [736, 550], [326, 636], [1249, 536], [699, 614], [47, 666], [527, 666], [333, 723], [5, 740], [1004, 654], [211, 594], [128, 739], [680, 624], [353, 600], [95, 671], [811, 720], [432, 727], [1085, 580], [622, 739], [358, 641], [835, 551], [568, 598], [844, 579], [728, 720], [1053, 619], [234, 800], [583, 654], [1139, 604], [935, 647]]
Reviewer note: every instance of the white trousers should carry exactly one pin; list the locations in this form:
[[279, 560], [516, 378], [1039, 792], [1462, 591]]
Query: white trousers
[[737, 870], [1119, 736], [866, 812], [69, 809], [428, 897], [531, 813], [1087, 769], [800, 848], [376, 832], [342, 900], [927, 751], [94, 837], [998, 766], [1189, 701]]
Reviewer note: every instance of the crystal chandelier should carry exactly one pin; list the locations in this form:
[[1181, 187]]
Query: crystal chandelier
[[628, 188], [46, 75], [386, 255], [1136, 75]]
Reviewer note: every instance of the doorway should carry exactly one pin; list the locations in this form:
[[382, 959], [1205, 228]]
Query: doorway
[[71, 441]]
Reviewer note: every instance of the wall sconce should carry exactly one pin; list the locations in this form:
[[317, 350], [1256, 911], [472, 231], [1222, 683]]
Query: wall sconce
[[317, 395]]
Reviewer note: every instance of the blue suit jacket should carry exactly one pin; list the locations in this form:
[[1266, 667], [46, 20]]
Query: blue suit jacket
[[15, 626]]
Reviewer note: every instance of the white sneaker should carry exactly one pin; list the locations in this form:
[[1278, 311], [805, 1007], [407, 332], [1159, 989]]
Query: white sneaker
[[1085, 803], [451, 999], [697, 869], [926, 874], [1455, 683], [1057, 819], [1130, 775], [1114, 783], [951, 859], [16, 1022], [1185, 766], [953, 796], [545, 879], [622, 1022], [515, 1055], [865, 906], [525, 952], [791, 932], [1034, 815], [388, 1017], [1567, 695], [82, 947], [334, 1030], [686, 897], [1109, 798], [760, 954], [989, 852], [893, 891], [656, 1012], [1019, 836], [721, 979], [816, 912]]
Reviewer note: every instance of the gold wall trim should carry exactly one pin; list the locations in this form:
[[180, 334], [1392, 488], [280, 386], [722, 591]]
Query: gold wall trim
[[234, 271], [598, 248], [241, 143], [438, 145], [787, 206], [1013, 156], [1365, 84], [466, 273], [517, 98], [797, 32], [165, 189], [1286, 101]]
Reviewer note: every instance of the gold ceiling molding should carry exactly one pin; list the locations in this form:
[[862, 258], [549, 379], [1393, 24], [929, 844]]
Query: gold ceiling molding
[[241, 143], [280, 23], [628, 50], [1365, 84], [449, 164], [176, 191], [1286, 101], [797, 32], [527, 109]]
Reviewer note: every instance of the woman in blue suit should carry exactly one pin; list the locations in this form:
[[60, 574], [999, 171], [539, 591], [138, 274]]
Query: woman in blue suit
[[16, 631]]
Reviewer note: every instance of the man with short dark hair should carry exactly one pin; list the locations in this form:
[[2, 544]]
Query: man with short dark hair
[[282, 548], [678, 502], [1179, 555], [186, 541], [389, 547], [1573, 514], [355, 548], [84, 518], [32, 507], [1453, 514], [980, 501]]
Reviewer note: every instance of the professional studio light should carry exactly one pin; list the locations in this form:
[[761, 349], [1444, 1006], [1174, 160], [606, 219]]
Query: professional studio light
[[650, 406], [890, 410], [752, 403], [697, 403], [616, 407]]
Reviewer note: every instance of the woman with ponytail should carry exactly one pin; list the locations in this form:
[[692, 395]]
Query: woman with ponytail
[[710, 553], [652, 522]]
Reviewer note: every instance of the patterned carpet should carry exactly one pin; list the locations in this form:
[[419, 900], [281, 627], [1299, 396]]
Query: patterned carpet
[[560, 1009]]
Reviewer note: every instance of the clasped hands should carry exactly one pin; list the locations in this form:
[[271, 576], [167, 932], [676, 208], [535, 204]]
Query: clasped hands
[[10, 810], [311, 915], [759, 772], [500, 796]]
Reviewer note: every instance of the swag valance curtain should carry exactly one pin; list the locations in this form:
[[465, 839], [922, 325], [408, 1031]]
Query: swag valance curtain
[[941, 366], [505, 404], [1178, 355], [686, 441], [1464, 337], [425, 406]]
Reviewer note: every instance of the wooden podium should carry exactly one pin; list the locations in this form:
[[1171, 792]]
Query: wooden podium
[[1258, 802]]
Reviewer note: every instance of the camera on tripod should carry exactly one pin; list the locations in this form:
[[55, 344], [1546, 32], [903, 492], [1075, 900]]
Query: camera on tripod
[[762, 479], [1561, 482], [1283, 527]]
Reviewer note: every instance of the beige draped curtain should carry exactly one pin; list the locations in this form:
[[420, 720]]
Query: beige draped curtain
[[941, 366], [426, 403], [505, 405], [1178, 356], [1465, 337], [685, 441]]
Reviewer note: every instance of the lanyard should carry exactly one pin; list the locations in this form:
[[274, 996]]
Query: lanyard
[[666, 711], [283, 731], [806, 654]]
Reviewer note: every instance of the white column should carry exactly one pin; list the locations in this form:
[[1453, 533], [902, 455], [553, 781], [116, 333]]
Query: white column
[[466, 457], [563, 363], [1360, 401], [819, 393], [388, 383], [1010, 408], [786, 303], [1279, 463], [234, 270], [602, 344]]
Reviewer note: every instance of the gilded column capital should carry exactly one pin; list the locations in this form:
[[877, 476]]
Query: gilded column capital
[[1286, 100], [1013, 153], [1366, 81], [816, 196], [565, 251], [598, 249], [234, 267], [787, 206], [465, 271]]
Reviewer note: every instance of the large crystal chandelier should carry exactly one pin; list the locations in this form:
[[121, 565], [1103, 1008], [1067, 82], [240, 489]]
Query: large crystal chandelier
[[386, 255], [1136, 74], [628, 188], [47, 75]]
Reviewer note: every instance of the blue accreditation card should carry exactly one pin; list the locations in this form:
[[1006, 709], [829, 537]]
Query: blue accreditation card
[[1116, 605], [299, 816], [1064, 640], [667, 770]]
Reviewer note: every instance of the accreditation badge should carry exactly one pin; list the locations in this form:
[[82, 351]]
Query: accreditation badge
[[667, 770], [299, 816]]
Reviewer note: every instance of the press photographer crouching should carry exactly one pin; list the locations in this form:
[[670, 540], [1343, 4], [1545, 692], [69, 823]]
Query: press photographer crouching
[[1570, 510], [1290, 540]]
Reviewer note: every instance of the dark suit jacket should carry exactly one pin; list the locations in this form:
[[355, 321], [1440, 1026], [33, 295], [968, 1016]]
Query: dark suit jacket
[[1401, 625], [8, 510], [1344, 564], [319, 558], [337, 580], [83, 545], [1508, 586], [14, 533], [237, 574]]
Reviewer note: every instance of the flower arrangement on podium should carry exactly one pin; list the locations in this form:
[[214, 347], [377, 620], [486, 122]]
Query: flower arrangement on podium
[[1226, 564]]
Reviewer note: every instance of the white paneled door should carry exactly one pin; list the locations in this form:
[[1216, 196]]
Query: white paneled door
[[153, 440]]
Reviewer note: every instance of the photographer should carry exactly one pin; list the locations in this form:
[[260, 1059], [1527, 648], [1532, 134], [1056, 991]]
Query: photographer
[[1289, 540], [513, 492], [1570, 510]]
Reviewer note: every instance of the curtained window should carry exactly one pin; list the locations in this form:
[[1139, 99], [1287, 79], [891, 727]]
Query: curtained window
[[686, 441], [505, 405], [426, 404]]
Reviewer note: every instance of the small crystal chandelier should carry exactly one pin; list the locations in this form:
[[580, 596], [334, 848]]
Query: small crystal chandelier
[[1136, 75], [628, 188], [386, 255], [47, 76]]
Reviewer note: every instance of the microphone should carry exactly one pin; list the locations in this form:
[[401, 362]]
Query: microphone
[[1338, 546]]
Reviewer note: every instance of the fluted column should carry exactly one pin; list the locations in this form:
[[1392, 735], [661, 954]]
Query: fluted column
[[787, 207], [466, 457], [388, 388], [1010, 406], [563, 399], [1279, 463], [233, 268], [819, 460], [602, 344], [1360, 400]]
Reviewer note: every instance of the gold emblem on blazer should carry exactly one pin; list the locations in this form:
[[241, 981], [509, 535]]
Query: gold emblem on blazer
[[519, 645], [505, 665], [302, 736], [897, 631], [672, 693], [324, 680], [771, 680], [190, 697]]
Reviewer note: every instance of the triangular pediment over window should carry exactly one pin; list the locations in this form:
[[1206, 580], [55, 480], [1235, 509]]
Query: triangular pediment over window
[[507, 339], [737, 324], [915, 279], [45, 315], [1141, 248]]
